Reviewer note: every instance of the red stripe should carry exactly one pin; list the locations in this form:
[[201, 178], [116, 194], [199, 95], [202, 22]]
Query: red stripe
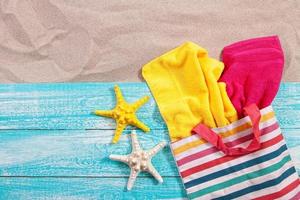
[[282, 192], [196, 156], [238, 141], [225, 158]]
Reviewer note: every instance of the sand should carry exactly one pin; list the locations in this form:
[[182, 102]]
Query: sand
[[93, 40]]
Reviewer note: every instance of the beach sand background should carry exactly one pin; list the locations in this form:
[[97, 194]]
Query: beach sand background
[[92, 40]]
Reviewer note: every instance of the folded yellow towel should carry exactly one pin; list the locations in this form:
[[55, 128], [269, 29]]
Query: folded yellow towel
[[184, 83]]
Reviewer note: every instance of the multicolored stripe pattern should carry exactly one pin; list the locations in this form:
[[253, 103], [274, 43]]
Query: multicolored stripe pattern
[[267, 173]]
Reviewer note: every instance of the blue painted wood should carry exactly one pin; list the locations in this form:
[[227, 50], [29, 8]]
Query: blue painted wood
[[287, 105], [75, 153], [88, 188], [85, 153], [52, 147], [69, 105], [292, 138]]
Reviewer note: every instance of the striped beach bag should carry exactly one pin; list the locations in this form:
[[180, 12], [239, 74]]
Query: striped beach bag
[[247, 159]]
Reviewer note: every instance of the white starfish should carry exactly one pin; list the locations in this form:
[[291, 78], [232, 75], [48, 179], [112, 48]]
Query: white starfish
[[139, 160]]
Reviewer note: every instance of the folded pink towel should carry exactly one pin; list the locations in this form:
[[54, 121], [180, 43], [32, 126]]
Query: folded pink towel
[[253, 70]]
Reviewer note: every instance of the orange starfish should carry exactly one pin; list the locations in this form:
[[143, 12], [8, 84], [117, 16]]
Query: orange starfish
[[124, 114]]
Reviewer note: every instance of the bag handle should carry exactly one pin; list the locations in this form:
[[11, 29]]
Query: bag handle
[[215, 139]]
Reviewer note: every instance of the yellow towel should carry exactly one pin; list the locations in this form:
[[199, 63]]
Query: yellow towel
[[184, 85]]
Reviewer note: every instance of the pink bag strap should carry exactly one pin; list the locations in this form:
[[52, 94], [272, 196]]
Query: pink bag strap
[[215, 139]]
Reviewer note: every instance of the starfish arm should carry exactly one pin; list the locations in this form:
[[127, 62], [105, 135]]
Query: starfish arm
[[132, 178], [134, 141], [154, 173], [120, 158], [137, 123], [119, 95], [156, 149], [118, 132], [104, 113], [136, 105]]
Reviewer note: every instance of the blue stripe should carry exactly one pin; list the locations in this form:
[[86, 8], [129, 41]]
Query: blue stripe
[[236, 168], [260, 186]]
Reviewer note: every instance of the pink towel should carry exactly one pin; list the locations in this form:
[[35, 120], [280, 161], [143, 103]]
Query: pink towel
[[253, 70]]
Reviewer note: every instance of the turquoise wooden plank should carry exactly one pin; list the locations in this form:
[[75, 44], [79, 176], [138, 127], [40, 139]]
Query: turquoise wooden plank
[[75, 153], [56, 157], [287, 105], [85, 153], [69, 105], [292, 138], [88, 188]]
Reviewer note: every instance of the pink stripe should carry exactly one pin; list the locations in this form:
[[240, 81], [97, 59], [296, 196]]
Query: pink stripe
[[233, 143], [297, 197]]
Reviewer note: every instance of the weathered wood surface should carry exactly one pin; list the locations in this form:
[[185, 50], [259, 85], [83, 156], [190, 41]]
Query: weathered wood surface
[[85, 153], [51, 146], [88, 188], [74, 152], [70, 105]]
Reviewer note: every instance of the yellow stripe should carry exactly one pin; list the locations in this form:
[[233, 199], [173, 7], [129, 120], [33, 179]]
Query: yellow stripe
[[240, 128]]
